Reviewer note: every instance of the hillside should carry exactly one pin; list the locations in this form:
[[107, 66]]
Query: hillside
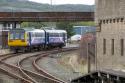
[[26, 6]]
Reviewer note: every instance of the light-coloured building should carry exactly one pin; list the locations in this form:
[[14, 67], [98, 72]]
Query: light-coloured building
[[110, 20]]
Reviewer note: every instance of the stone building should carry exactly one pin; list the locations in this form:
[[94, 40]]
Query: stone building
[[110, 20]]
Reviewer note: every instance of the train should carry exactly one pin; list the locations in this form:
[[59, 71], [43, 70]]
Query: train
[[24, 39]]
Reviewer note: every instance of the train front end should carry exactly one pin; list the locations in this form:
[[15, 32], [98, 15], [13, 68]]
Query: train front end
[[17, 39]]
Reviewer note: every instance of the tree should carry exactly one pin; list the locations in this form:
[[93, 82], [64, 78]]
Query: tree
[[66, 26], [89, 23], [36, 25]]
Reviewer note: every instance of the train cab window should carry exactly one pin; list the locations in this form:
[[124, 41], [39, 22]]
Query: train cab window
[[17, 35], [11, 36], [22, 36]]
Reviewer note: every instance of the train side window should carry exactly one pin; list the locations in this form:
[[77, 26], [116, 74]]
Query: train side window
[[104, 46], [42, 34], [122, 47], [32, 34], [35, 34], [60, 34]]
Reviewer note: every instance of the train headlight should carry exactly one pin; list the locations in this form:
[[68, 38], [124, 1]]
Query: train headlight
[[10, 40], [23, 40]]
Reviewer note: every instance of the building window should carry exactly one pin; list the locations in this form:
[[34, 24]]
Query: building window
[[122, 19], [110, 20], [112, 47], [113, 20], [117, 19], [107, 21], [122, 47], [103, 21], [104, 46]]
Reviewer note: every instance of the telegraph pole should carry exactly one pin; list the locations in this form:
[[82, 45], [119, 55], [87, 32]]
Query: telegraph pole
[[88, 58], [51, 2], [51, 11]]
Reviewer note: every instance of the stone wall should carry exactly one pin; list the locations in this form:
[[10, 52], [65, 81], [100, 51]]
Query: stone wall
[[111, 24], [106, 9]]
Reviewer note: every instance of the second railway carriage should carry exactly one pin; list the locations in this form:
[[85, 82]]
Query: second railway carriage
[[56, 38]]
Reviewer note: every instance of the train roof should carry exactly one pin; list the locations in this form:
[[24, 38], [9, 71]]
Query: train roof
[[37, 30], [56, 31], [40, 30], [29, 29], [25, 29]]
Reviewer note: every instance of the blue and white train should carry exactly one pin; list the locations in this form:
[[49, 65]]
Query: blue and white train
[[28, 39]]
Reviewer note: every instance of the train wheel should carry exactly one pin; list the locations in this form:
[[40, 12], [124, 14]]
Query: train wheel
[[29, 49], [38, 48], [23, 50], [60, 46], [16, 51]]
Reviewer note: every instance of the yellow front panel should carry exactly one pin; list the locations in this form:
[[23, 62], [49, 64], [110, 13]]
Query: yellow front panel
[[17, 42]]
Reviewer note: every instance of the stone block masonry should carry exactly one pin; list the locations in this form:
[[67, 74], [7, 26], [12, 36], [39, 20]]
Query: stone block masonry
[[110, 18]]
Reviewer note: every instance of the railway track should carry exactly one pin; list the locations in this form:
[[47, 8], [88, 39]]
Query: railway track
[[42, 71], [7, 68], [22, 62], [35, 74]]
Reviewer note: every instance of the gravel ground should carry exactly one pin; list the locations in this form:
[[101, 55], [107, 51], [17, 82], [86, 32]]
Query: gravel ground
[[52, 66], [14, 61], [27, 64], [4, 51], [7, 79]]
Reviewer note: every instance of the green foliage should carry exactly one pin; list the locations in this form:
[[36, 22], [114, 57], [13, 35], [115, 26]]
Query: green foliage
[[37, 25], [90, 23], [66, 26]]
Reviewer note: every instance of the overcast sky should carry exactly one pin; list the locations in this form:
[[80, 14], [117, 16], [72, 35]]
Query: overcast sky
[[88, 2]]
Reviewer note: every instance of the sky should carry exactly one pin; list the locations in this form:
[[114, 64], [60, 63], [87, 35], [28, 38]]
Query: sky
[[57, 2]]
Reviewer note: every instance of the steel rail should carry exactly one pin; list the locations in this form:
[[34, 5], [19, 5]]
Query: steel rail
[[24, 77], [39, 69], [21, 61], [4, 57]]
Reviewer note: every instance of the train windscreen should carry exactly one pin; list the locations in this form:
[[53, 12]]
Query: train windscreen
[[16, 34]]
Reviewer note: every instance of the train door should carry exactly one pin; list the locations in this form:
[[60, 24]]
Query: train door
[[64, 37], [47, 38], [29, 35]]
